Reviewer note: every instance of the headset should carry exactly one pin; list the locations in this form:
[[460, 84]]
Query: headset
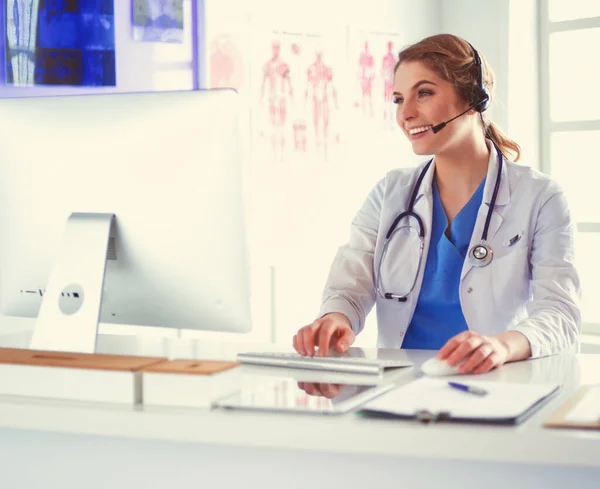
[[480, 98]]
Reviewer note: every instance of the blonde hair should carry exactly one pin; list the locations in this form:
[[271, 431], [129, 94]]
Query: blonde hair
[[453, 59]]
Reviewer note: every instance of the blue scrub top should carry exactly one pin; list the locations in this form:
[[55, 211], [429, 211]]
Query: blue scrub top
[[438, 315]]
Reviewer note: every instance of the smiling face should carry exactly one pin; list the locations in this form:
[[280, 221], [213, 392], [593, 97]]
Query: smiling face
[[424, 99]]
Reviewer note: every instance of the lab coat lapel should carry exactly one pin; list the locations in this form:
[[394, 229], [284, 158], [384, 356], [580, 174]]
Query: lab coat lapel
[[502, 199]]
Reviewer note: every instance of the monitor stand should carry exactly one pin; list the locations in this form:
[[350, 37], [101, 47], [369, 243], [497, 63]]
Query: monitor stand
[[70, 311]]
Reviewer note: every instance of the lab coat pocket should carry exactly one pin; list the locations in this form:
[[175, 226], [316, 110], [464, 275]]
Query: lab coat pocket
[[511, 277]]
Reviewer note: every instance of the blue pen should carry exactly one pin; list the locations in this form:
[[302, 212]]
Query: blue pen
[[478, 391]]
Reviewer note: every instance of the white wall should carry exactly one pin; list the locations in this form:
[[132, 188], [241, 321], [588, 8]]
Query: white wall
[[416, 19], [523, 79]]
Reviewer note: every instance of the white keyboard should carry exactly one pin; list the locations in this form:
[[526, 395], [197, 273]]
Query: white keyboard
[[341, 363]]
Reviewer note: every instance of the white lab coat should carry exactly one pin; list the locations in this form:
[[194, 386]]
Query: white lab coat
[[530, 286]]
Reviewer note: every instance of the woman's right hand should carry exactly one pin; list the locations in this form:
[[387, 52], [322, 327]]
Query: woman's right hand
[[330, 331]]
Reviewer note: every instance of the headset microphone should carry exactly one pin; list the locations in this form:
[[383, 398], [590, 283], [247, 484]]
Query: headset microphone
[[441, 125]]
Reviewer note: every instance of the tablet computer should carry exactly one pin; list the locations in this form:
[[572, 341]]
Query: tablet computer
[[285, 394]]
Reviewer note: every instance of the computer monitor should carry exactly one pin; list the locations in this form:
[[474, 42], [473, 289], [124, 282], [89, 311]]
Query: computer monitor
[[123, 209]]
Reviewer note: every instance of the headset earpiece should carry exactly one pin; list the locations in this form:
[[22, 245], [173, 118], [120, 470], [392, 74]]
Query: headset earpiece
[[484, 96], [481, 95]]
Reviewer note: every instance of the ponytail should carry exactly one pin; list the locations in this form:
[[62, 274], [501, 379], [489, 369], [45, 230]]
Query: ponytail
[[508, 147]]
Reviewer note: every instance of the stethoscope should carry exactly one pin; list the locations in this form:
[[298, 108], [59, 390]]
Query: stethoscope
[[480, 255]]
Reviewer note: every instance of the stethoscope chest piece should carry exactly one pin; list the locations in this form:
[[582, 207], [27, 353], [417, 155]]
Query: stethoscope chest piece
[[481, 255]]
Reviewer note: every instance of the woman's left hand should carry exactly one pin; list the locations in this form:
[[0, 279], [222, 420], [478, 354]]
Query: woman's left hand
[[480, 353]]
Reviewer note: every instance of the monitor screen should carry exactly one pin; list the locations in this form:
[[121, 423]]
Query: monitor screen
[[150, 181]]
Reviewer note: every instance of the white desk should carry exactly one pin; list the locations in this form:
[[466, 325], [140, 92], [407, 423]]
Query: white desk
[[73, 445]]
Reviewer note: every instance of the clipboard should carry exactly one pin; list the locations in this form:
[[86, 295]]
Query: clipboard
[[560, 418], [423, 400]]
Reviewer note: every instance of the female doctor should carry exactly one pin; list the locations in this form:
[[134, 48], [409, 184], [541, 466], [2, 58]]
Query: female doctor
[[469, 254]]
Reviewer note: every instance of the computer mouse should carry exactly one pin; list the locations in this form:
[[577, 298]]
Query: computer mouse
[[435, 367]]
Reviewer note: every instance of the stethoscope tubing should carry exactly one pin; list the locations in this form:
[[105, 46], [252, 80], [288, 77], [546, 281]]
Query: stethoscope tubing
[[480, 255]]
